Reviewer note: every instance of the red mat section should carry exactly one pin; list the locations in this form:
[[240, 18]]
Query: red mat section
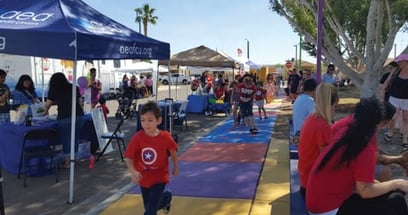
[[225, 152]]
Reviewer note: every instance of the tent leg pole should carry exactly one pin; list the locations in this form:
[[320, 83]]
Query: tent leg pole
[[1, 195]]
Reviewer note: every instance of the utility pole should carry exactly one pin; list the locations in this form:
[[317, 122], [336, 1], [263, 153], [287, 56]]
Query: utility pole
[[319, 41], [300, 52], [296, 59], [247, 48]]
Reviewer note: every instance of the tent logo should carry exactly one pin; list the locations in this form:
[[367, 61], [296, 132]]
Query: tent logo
[[21, 17], [2, 43], [135, 50]]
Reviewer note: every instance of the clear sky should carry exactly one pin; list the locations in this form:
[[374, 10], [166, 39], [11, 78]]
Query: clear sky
[[218, 24]]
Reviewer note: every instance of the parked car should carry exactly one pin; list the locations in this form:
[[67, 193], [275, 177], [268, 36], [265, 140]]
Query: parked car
[[175, 78], [194, 77]]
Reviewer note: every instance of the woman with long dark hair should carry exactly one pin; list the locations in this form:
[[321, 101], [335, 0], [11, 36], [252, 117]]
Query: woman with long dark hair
[[60, 94], [24, 92], [342, 178]]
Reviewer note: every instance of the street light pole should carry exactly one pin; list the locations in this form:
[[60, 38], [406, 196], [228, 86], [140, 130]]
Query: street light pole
[[319, 40], [296, 61], [247, 48]]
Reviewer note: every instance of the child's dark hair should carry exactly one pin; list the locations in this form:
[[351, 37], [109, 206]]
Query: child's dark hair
[[152, 107], [102, 100], [368, 113]]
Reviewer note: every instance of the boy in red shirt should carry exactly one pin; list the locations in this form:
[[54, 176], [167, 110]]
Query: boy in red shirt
[[260, 95], [246, 96], [147, 158]]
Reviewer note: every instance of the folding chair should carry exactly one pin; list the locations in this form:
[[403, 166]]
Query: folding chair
[[43, 147], [180, 116], [115, 135]]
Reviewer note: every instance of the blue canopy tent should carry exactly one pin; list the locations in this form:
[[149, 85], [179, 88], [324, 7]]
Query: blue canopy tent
[[72, 30]]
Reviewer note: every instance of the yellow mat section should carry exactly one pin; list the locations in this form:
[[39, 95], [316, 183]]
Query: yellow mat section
[[132, 204], [272, 194]]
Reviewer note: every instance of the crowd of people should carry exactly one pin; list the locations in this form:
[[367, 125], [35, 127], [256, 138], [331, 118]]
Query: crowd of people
[[143, 86], [239, 95], [341, 168]]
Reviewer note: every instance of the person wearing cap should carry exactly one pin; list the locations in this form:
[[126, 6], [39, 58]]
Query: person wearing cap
[[398, 81]]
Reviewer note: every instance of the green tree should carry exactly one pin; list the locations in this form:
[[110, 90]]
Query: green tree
[[356, 33], [145, 15]]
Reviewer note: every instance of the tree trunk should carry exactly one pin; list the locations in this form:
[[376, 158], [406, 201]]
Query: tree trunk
[[370, 85]]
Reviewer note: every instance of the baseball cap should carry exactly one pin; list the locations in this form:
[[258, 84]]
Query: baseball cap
[[401, 57]]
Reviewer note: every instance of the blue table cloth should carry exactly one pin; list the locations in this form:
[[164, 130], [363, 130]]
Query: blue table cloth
[[12, 141], [197, 103]]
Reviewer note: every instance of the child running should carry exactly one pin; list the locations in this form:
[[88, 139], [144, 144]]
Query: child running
[[260, 95], [147, 158], [105, 109], [235, 102], [246, 96]]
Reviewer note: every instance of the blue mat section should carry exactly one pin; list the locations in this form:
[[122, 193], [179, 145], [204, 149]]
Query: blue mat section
[[297, 203], [225, 134]]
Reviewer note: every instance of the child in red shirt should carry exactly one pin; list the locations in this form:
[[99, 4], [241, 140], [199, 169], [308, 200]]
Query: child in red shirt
[[219, 92], [260, 94], [147, 157], [105, 109], [246, 96]]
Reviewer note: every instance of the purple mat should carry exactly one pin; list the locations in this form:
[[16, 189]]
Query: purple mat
[[214, 180]]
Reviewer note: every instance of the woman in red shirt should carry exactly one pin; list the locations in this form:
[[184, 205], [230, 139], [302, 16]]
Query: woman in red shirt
[[342, 178], [315, 132]]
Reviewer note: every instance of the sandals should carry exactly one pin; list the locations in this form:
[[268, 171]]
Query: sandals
[[387, 138]]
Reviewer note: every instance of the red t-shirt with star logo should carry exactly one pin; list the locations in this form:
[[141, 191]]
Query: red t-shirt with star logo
[[150, 156]]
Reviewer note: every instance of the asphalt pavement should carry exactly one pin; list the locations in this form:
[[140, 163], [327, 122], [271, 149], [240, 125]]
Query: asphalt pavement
[[105, 182]]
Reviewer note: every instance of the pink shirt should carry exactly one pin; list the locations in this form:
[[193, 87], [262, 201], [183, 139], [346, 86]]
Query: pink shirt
[[148, 82]]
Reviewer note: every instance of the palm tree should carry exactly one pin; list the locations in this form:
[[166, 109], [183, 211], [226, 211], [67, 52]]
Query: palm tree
[[145, 15]]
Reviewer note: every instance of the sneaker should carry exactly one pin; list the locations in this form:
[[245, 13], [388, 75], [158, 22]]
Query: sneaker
[[253, 131], [387, 138], [265, 117], [166, 208], [165, 202], [91, 162]]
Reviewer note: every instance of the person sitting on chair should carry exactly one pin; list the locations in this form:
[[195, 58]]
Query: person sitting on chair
[[24, 92]]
